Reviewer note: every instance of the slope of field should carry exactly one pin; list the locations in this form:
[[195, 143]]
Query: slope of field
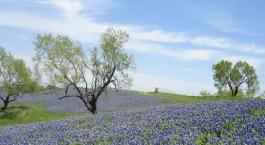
[[109, 101], [47, 106], [230, 122]]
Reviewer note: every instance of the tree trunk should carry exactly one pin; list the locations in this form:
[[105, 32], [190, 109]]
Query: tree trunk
[[231, 89], [236, 91], [93, 107], [233, 93], [6, 102]]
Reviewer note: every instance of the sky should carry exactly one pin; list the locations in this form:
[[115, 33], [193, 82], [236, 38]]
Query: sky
[[174, 42]]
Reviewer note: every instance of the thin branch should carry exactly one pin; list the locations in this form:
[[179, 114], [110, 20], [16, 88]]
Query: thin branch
[[66, 89], [84, 79], [67, 96], [2, 99], [4, 76], [89, 108], [14, 99], [106, 84]]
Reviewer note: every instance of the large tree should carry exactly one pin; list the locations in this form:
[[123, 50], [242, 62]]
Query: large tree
[[15, 78], [66, 64], [237, 77]]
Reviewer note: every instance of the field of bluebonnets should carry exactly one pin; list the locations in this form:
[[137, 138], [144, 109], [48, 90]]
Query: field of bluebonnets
[[109, 101], [228, 122]]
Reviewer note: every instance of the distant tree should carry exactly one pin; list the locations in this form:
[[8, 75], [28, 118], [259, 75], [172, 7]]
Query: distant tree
[[205, 93], [66, 64], [238, 77], [156, 90], [15, 78]]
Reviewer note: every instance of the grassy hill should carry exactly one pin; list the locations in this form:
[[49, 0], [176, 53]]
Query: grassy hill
[[47, 107]]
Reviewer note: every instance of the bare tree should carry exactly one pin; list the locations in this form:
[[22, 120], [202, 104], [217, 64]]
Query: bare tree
[[66, 64]]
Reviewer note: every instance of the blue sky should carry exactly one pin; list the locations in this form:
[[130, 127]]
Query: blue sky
[[175, 43]]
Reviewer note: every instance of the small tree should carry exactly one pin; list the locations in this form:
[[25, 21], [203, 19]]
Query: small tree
[[156, 90], [238, 77], [15, 78], [66, 64], [205, 93]]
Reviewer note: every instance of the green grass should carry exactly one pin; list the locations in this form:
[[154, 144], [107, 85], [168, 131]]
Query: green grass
[[29, 113], [257, 112], [183, 99]]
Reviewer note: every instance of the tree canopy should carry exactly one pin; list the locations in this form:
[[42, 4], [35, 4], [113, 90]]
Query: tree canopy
[[15, 78], [67, 65], [240, 76]]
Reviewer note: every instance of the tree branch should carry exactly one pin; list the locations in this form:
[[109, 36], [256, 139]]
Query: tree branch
[[2, 99], [105, 84], [14, 98], [67, 96]]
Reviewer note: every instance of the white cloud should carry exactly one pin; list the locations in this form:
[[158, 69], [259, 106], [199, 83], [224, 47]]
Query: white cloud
[[160, 36], [76, 8], [80, 27], [226, 44], [224, 22], [180, 54], [70, 8], [86, 29]]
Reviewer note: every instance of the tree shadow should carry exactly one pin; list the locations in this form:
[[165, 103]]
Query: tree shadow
[[8, 115], [12, 112], [19, 107]]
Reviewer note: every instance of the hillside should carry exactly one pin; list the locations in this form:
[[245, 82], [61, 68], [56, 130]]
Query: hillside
[[230, 122], [109, 101]]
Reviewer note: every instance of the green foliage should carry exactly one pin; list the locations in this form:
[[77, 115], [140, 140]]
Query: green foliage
[[105, 141], [257, 112], [227, 93], [77, 143], [28, 113], [236, 77], [67, 65], [59, 56], [15, 78], [111, 56], [165, 125], [231, 125], [205, 93], [263, 142], [63, 59], [203, 139], [174, 139]]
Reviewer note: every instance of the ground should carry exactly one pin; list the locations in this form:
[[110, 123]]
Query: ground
[[131, 117], [46, 106]]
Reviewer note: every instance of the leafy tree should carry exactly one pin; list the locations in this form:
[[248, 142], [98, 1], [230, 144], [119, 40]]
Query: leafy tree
[[15, 78], [238, 77], [205, 93], [66, 65]]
